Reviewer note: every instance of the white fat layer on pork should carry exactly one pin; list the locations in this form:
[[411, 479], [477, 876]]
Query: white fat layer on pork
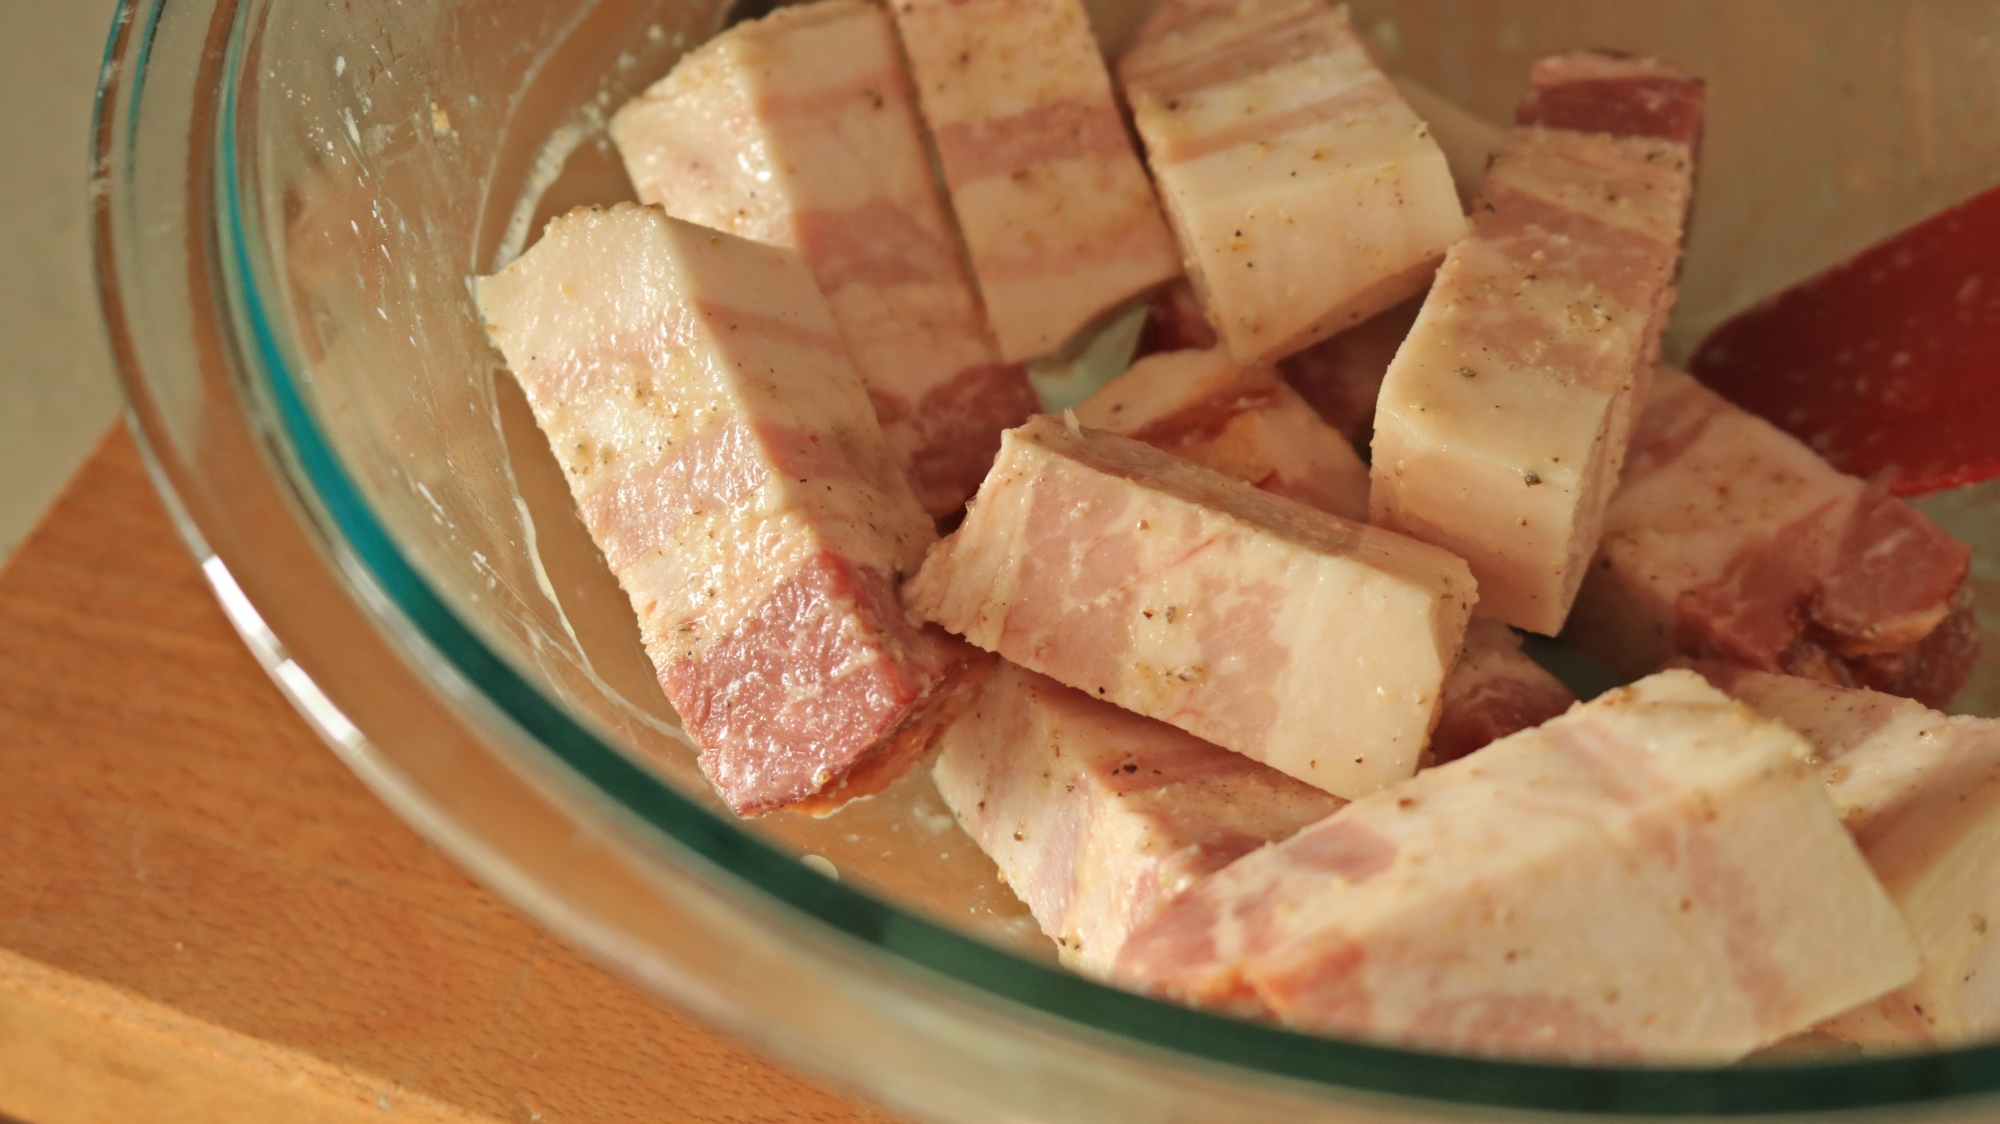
[[1920, 791], [717, 440], [1305, 193], [1096, 816], [798, 130], [1502, 421], [1182, 594], [1059, 218], [1656, 875], [634, 334]]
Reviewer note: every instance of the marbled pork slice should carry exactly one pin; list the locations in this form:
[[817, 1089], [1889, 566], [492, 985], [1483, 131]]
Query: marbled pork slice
[[1058, 215], [798, 130], [1656, 876], [1236, 419], [1920, 791], [1494, 690], [724, 457], [1729, 539], [1306, 195], [1315, 645], [1096, 816], [1503, 420], [1246, 423]]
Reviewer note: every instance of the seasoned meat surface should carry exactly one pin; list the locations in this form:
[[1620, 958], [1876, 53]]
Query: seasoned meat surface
[[724, 457], [1656, 875], [799, 130]]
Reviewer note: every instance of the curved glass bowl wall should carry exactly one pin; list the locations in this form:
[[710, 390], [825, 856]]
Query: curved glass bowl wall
[[290, 199]]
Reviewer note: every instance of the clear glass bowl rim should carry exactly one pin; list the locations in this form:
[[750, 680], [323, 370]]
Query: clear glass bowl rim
[[602, 769]]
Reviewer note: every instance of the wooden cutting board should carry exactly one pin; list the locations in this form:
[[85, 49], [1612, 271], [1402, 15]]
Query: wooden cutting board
[[205, 917]]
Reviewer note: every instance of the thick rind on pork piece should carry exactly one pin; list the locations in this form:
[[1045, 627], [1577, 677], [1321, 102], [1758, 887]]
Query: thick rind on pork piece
[[1236, 419], [1311, 643], [1494, 690], [1920, 791], [1728, 539], [798, 130], [1306, 195], [1503, 420], [1656, 876], [1058, 215], [1096, 816], [724, 457]]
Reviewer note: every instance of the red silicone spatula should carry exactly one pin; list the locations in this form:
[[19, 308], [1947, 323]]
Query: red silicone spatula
[[1888, 365]]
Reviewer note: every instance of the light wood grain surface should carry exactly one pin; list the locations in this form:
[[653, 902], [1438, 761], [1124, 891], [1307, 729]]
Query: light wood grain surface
[[204, 917]]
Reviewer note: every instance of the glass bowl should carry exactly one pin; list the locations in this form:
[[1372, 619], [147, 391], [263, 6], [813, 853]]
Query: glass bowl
[[289, 200]]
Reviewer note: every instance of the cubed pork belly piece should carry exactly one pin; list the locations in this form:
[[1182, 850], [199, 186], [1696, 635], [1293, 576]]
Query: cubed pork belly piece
[[1503, 420], [1494, 690], [1058, 215], [1237, 419], [1096, 816], [724, 457], [1244, 422], [1313, 644], [1655, 876], [1306, 195], [1729, 539], [1341, 376], [798, 129], [1920, 791]]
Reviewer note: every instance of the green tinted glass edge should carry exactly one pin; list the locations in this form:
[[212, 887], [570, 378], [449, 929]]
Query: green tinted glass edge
[[1341, 1066]]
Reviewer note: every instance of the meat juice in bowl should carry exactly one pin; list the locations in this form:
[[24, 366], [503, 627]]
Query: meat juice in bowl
[[454, 123]]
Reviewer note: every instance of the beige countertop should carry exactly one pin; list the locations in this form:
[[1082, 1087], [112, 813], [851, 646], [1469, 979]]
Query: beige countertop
[[56, 388]]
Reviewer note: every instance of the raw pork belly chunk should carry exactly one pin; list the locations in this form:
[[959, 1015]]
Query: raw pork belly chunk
[[1341, 377], [1315, 645], [1245, 422], [724, 457], [1098, 817], [1657, 875], [798, 130], [1494, 690], [1058, 215], [1921, 793], [1729, 539], [1503, 420], [1241, 420], [1306, 195]]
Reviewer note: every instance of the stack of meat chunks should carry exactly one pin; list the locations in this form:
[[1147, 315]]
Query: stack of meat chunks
[[1221, 667]]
